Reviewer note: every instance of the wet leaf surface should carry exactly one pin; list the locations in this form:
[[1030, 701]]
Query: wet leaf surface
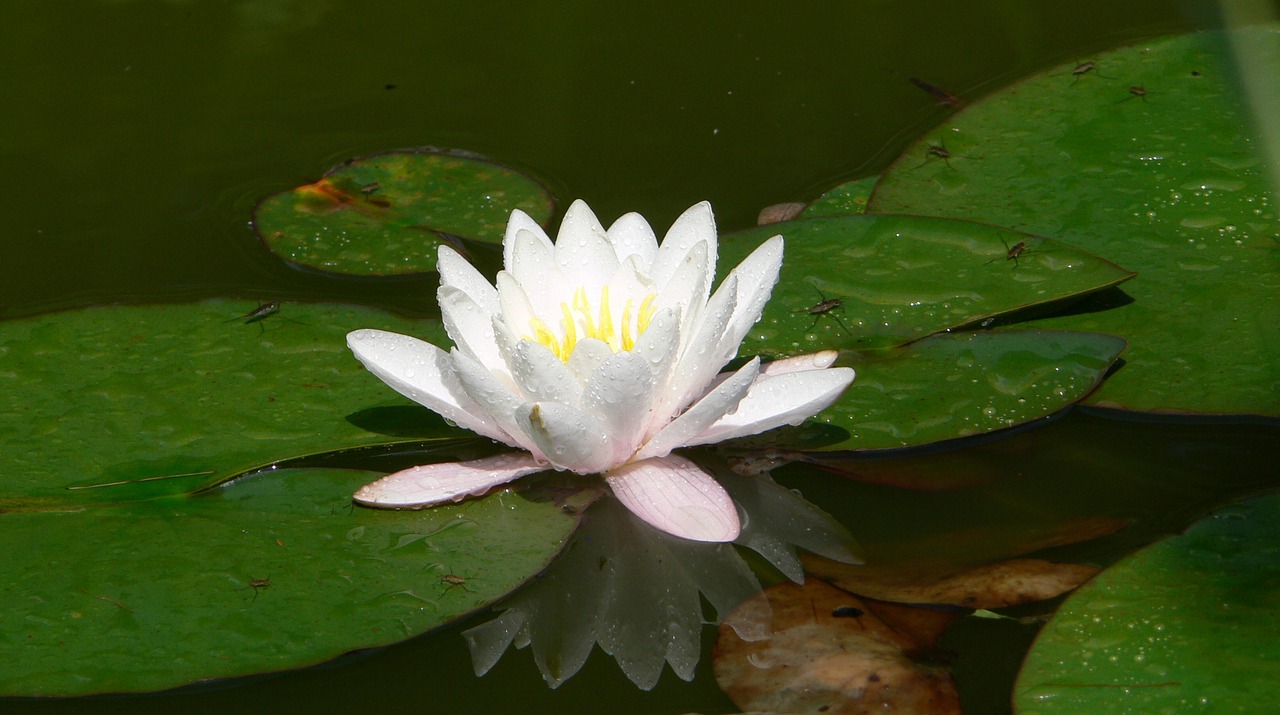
[[386, 214], [1189, 623], [272, 572], [1170, 183]]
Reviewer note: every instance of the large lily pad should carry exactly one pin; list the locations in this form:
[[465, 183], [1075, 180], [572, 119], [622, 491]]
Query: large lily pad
[[956, 385], [386, 214], [1148, 160], [1189, 623], [271, 572], [871, 282], [120, 394]]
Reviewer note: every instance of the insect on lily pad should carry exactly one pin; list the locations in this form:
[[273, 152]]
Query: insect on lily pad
[[387, 214]]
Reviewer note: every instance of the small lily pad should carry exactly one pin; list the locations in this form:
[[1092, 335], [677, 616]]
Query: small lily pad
[[1189, 623], [386, 214], [273, 572]]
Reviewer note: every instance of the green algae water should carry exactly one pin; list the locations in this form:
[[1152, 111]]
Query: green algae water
[[138, 137]]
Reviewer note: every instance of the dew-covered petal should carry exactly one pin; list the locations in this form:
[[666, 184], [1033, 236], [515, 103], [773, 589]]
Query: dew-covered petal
[[583, 250], [517, 310], [631, 235], [698, 363], [777, 400], [534, 267], [425, 374], [809, 361], [756, 276], [687, 290], [702, 413], [675, 495], [470, 326], [494, 396], [430, 484], [696, 225], [567, 436], [542, 376], [587, 356], [620, 394], [520, 221], [457, 272], [659, 345]]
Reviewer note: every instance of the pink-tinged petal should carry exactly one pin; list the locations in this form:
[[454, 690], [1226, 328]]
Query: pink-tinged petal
[[620, 395], [457, 272], [542, 376], [777, 400], [676, 496], [631, 235], [520, 221], [583, 250], [703, 413], [566, 436], [425, 374], [533, 266], [498, 399], [430, 484], [470, 326], [696, 225]]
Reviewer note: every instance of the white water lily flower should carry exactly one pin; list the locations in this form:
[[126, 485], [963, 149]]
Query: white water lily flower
[[599, 354]]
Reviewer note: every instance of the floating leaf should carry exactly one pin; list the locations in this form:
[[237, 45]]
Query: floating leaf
[[956, 385], [272, 572], [1153, 166], [1191, 622], [848, 198], [872, 282], [120, 394], [386, 214], [827, 652]]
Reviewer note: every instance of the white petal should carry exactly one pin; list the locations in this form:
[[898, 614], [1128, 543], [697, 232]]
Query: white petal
[[425, 374], [470, 326], [496, 398], [695, 225], [620, 395], [687, 290], [756, 276], [456, 271], [703, 413], [568, 437], [520, 221], [631, 235], [587, 355], [583, 251], [429, 484], [517, 310], [808, 361], [777, 400], [533, 266], [698, 361], [674, 495], [659, 345], [542, 376]]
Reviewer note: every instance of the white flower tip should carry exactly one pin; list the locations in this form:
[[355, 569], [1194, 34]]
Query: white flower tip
[[825, 358]]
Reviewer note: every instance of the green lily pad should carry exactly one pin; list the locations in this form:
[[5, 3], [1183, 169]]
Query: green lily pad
[[873, 282], [850, 197], [386, 214], [956, 385], [271, 572], [1190, 623], [1148, 160], [119, 394]]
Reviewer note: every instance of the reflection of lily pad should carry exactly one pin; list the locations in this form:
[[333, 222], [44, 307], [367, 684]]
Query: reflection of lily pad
[[1168, 183], [1189, 623], [956, 385], [889, 280], [125, 393], [270, 573], [386, 214]]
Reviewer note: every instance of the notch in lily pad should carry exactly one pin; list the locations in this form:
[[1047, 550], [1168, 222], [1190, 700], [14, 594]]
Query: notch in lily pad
[[386, 214]]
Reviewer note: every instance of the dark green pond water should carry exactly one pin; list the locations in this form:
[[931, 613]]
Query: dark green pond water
[[137, 137]]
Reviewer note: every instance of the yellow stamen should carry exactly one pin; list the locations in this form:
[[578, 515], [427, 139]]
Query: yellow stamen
[[579, 321]]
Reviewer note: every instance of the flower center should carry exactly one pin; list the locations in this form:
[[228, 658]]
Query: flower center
[[580, 320]]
